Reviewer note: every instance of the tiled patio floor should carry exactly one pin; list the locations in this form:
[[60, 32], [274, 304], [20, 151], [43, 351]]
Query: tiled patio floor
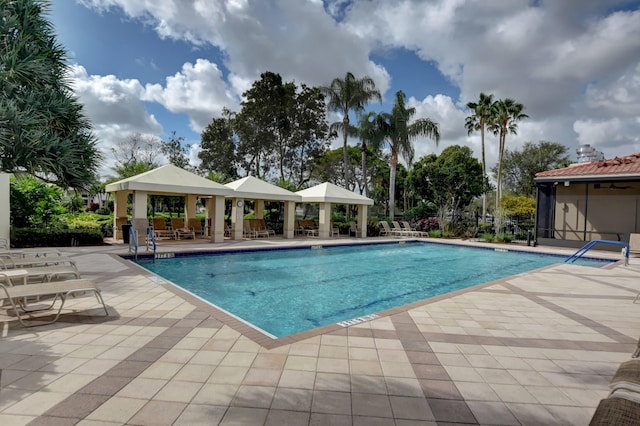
[[536, 349]]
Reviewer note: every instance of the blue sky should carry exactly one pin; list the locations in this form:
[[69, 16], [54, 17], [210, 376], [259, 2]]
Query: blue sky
[[152, 67]]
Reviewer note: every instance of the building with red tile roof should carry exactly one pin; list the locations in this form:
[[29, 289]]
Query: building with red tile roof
[[597, 200]]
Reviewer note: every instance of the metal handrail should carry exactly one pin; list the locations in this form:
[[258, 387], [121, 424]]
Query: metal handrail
[[133, 240], [151, 238], [585, 248]]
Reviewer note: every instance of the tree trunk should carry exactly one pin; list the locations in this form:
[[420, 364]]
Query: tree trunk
[[496, 216], [393, 163], [484, 177], [345, 129], [364, 169]]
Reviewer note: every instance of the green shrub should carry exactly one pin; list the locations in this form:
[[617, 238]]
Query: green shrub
[[504, 238], [435, 233], [36, 237], [487, 237], [93, 221]]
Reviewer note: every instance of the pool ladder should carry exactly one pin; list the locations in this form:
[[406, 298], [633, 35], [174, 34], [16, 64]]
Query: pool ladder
[[150, 241], [585, 248]]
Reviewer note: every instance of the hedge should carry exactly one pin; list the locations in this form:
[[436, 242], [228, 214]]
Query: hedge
[[31, 237]]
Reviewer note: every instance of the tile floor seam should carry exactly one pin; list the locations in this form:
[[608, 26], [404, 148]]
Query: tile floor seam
[[412, 324], [587, 322], [149, 345]]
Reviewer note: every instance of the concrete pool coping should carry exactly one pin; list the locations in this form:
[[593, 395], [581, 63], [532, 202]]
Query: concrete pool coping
[[535, 348]]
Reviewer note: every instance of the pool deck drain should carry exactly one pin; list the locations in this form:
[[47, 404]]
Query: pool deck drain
[[537, 348]]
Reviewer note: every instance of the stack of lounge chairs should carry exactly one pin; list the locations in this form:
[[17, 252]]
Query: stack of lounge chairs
[[622, 406], [40, 273], [400, 229]]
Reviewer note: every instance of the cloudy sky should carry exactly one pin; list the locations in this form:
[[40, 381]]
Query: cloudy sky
[[157, 66]]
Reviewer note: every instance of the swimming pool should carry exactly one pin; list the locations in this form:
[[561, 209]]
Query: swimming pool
[[283, 292]]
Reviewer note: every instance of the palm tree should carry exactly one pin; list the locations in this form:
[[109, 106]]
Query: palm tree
[[349, 94], [400, 134], [505, 114], [371, 138], [480, 116]]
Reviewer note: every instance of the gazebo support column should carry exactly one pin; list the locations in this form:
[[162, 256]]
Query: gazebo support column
[[119, 212], [289, 219], [362, 221], [216, 207], [324, 225], [258, 209], [139, 219], [189, 207], [237, 216]]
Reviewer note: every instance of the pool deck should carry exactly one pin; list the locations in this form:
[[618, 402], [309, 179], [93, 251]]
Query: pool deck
[[535, 349]]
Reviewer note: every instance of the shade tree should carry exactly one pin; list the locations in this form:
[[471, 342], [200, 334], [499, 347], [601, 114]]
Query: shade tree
[[43, 129], [450, 180]]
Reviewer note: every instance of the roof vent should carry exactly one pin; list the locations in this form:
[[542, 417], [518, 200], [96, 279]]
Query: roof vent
[[587, 153]]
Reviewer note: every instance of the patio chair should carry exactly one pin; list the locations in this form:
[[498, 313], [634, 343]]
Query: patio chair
[[10, 262], [262, 226], [256, 227], [411, 230], [385, 228], [247, 231], [335, 231], [397, 229], [195, 225], [308, 227], [177, 223], [160, 229], [227, 230], [616, 411], [627, 377], [353, 228], [43, 273], [58, 290]]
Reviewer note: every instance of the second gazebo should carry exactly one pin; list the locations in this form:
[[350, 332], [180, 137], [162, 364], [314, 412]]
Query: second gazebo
[[327, 194]]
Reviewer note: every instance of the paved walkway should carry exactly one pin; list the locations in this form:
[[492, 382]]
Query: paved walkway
[[538, 348]]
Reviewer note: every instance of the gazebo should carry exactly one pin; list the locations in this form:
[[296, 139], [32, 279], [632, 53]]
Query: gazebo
[[252, 188], [327, 194], [170, 180]]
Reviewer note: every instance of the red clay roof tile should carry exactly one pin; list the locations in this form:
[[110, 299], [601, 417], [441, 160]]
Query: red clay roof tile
[[627, 165]]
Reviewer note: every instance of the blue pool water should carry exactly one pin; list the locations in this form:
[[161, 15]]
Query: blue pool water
[[284, 292]]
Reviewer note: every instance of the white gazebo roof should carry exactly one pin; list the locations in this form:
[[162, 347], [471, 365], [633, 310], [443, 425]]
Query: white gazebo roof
[[169, 179], [255, 189], [330, 193]]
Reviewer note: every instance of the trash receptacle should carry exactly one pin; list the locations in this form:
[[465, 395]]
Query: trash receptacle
[[125, 232]]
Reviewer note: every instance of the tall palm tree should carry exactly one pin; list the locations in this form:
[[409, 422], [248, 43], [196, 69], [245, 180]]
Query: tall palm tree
[[480, 116], [371, 139], [349, 94], [505, 116], [400, 135]]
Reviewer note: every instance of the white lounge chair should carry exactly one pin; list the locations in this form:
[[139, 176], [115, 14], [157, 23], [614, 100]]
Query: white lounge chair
[[397, 230], [386, 229], [16, 295], [44, 273], [413, 231], [10, 262]]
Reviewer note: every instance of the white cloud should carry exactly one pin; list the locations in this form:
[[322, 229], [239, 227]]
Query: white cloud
[[111, 102], [198, 90], [572, 63]]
